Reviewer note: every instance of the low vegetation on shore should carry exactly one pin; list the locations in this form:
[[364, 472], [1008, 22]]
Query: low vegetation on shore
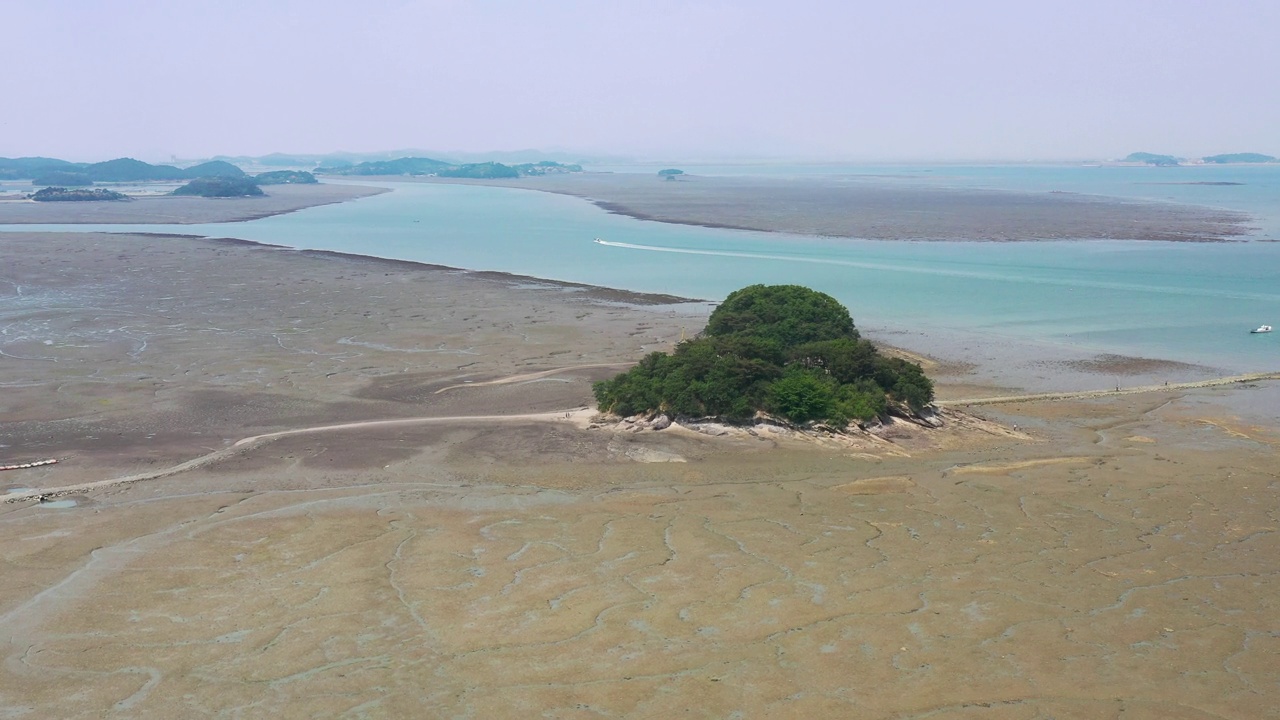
[[784, 350]]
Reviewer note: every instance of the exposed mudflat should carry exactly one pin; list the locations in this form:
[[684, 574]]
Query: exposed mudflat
[[868, 210], [1109, 558]]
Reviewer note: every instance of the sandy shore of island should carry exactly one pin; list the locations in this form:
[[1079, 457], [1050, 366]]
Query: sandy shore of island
[[1081, 558], [165, 209], [871, 209]]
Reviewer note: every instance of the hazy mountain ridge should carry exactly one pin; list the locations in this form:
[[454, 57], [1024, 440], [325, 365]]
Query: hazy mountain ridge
[[117, 170]]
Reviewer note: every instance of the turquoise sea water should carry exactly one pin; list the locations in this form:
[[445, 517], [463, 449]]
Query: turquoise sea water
[[1012, 302]]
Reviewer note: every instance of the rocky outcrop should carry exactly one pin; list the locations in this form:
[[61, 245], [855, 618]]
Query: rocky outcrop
[[896, 424]]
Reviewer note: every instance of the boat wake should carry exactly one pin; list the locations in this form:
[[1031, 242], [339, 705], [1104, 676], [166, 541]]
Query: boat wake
[[948, 272]]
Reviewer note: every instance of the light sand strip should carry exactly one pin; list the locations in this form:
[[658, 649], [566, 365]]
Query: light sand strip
[[533, 376], [1215, 382]]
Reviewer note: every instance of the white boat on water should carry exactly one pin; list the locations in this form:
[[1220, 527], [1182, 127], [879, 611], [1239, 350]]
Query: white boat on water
[[1261, 329]]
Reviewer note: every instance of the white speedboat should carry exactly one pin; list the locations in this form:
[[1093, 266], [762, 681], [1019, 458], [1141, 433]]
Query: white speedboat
[[1261, 329]]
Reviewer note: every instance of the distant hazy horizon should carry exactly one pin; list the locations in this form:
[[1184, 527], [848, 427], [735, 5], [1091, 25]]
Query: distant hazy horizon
[[716, 81]]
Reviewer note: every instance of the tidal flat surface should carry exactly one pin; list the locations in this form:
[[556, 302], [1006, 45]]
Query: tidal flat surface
[[873, 209], [1114, 558]]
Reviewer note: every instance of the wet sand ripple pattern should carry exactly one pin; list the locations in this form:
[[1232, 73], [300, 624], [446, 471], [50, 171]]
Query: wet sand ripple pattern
[[1069, 588]]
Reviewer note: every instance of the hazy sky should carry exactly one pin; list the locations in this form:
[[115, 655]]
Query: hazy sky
[[662, 79]]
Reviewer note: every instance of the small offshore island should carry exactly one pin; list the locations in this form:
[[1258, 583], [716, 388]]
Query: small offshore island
[[782, 349], [61, 194]]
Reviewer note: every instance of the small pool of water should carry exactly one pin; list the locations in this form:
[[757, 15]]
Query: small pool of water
[[59, 504]]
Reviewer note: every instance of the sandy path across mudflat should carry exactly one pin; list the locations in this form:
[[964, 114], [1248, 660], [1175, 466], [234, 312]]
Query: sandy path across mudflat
[[575, 416]]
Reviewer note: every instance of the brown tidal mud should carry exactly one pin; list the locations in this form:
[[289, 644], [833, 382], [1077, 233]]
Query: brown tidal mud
[[1113, 558], [855, 208]]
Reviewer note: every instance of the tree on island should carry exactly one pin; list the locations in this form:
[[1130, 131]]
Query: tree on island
[[669, 173], [220, 187], [780, 349]]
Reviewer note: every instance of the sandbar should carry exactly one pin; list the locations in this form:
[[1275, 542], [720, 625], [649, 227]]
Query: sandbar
[[872, 209]]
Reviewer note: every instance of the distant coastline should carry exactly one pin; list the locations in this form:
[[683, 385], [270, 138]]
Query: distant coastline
[[179, 210]]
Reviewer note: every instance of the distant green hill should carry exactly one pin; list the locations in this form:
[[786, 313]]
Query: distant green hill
[[402, 166], [214, 168], [220, 187], [62, 178], [1240, 158], [118, 170], [29, 167], [286, 177], [130, 170], [1152, 158]]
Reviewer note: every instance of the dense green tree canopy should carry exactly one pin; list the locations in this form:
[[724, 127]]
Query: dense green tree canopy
[[783, 349], [786, 314]]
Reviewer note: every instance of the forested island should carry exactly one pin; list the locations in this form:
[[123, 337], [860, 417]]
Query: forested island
[[1152, 159], [1240, 158], [62, 194], [286, 177], [783, 350], [1223, 159], [220, 187]]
